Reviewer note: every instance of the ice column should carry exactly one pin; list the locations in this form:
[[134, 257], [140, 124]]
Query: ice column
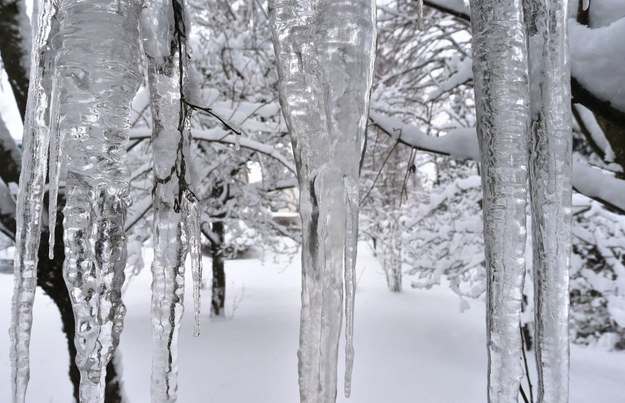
[[176, 221], [325, 51], [550, 183], [502, 100], [97, 72], [30, 199]]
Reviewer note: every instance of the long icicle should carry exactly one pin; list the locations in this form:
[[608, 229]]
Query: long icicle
[[500, 70], [192, 225], [176, 225], [30, 200], [55, 164], [325, 51], [351, 248], [97, 79], [551, 192]]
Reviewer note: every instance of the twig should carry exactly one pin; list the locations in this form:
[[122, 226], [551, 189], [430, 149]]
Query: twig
[[378, 174], [527, 372]]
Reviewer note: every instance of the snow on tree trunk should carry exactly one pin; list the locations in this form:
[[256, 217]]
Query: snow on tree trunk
[[550, 182], [176, 221], [325, 51], [502, 101], [96, 66], [30, 201]]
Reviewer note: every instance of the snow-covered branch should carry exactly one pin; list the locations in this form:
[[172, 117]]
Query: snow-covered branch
[[596, 54], [222, 136], [593, 182]]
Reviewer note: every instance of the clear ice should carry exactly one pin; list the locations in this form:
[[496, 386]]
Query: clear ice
[[97, 77], [30, 200], [500, 68], [176, 213], [325, 51], [551, 192]]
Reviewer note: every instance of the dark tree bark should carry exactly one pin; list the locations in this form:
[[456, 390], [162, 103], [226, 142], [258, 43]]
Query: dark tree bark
[[12, 53], [219, 275]]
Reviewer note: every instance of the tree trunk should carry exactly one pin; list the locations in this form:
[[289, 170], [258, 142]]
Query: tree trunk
[[12, 50], [219, 275]]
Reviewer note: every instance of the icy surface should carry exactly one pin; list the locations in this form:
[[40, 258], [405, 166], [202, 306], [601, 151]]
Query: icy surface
[[30, 203], [176, 219], [98, 76], [550, 182], [325, 52], [502, 102], [55, 164]]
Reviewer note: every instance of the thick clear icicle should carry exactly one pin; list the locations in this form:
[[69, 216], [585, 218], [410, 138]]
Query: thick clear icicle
[[30, 200], [325, 51], [176, 218], [500, 71], [97, 71], [550, 183]]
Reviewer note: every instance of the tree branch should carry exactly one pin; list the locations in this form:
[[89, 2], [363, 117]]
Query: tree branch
[[15, 41], [590, 181], [222, 136]]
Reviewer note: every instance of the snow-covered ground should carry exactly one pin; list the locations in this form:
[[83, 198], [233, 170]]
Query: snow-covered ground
[[415, 346]]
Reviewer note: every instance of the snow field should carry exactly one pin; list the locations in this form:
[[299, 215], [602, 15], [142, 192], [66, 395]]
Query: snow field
[[413, 346]]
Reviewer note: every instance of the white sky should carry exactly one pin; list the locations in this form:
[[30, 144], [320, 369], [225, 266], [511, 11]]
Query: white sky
[[8, 108]]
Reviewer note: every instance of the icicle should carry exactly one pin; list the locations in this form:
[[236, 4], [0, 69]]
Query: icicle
[[176, 224], [502, 102], [237, 142], [550, 182], [195, 250], [30, 201], [351, 245], [325, 69], [96, 82], [54, 173]]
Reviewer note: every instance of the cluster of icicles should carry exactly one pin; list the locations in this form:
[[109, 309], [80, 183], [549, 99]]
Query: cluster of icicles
[[84, 77]]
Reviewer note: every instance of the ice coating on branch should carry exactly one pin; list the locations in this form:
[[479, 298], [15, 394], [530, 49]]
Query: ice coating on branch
[[176, 215], [30, 201], [550, 183], [502, 101], [96, 66], [325, 51]]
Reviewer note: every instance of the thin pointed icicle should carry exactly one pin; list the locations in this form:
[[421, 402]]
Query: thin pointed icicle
[[351, 247], [175, 217], [500, 71], [97, 77], [550, 183], [30, 201], [325, 51], [54, 169], [192, 224]]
